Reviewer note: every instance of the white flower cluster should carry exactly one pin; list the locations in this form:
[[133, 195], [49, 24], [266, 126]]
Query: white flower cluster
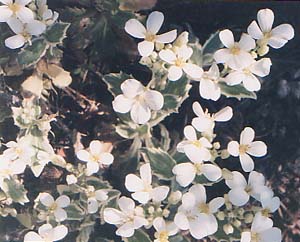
[[26, 18]]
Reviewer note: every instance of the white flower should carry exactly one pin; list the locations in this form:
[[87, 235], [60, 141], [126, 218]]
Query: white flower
[[94, 198], [142, 188], [269, 203], [194, 148], [248, 75], [179, 63], [128, 219], [23, 32], [163, 229], [96, 157], [196, 215], [138, 100], [241, 190], [208, 86], [16, 9], [262, 230], [205, 122], [48, 16], [47, 233], [236, 54], [55, 207], [264, 33], [247, 147], [149, 34], [71, 179]]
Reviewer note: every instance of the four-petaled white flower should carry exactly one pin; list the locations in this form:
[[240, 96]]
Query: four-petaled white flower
[[264, 33], [262, 230], [205, 122], [236, 54], [247, 147], [241, 190], [196, 215], [55, 206], [149, 34], [138, 100], [163, 229], [94, 198], [16, 9], [23, 32], [194, 148], [247, 76], [142, 188], [96, 157], [128, 219], [47, 233], [179, 63], [208, 86]]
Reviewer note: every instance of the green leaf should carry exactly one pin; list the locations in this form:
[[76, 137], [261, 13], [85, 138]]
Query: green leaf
[[75, 212], [209, 48], [15, 190], [161, 162], [125, 131], [25, 219], [57, 32], [31, 54], [5, 110], [237, 91], [114, 81], [179, 238], [97, 183], [85, 231], [139, 236]]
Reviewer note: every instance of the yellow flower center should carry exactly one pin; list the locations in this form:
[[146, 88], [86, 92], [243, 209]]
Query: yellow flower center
[[95, 158], [255, 237], [203, 208], [265, 212], [162, 236], [243, 149], [150, 37], [198, 168], [53, 207], [197, 143], [19, 151], [14, 7], [248, 189], [179, 62], [235, 50]]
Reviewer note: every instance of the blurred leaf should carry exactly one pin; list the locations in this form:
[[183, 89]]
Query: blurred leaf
[[161, 162], [25, 219], [179, 238], [139, 236], [97, 183], [5, 110], [15, 190], [75, 212], [57, 32], [237, 91]]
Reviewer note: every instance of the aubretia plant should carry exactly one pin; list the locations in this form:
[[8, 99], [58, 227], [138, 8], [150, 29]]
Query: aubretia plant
[[174, 184]]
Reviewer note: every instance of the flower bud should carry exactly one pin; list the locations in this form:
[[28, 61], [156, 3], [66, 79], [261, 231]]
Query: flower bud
[[71, 179], [228, 229], [175, 197]]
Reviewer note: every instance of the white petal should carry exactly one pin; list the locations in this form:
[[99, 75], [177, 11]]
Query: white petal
[[154, 22], [160, 193], [6, 13], [215, 204], [122, 104], [113, 216], [145, 48], [190, 133], [159, 224], [133, 183], [15, 42], [184, 53], [196, 154], [256, 179], [235, 78], [168, 56], [126, 230], [101, 195], [272, 234], [198, 109], [63, 201], [35, 27], [265, 19], [140, 113], [131, 88], [257, 149], [280, 35], [167, 37], [92, 167], [193, 70], [199, 192], [211, 172], [16, 25], [126, 204], [240, 61], [174, 73], [6, 2], [60, 214], [154, 99], [246, 42], [92, 205], [107, 158], [203, 124], [251, 83], [146, 175], [135, 28], [209, 90], [96, 147], [233, 148], [222, 55], [45, 229], [46, 199], [261, 223], [254, 30], [226, 38], [272, 203], [83, 155], [247, 136], [246, 162], [139, 222], [238, 197], [181, 221], [60, 232], [23, 2], [25, 15], [207, 223], [32, 237], [246, 237], [185, 173], [237, 181], [141, 197], [262, 67], [224, 114]]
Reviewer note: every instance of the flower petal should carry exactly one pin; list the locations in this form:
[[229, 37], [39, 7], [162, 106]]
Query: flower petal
[[206, 222], [32, 236], [107, 158], [141, 197], [167, 37], [25, 14], [251, 83], [35, 27], [261, 223], [238, 197], [257, 149], [15, 42], [46, 199], [199, 193], [113, 216], [237, 181], [101, 195], [159, 224], [233, 148], [240, 61], [92, 205], [122, 104], [83, 155], [184, 52], [224, 114], [160, 193], [235, 78], [283, 31], [63, 201], [211, 172], [246, 236], [145, 48], [203, 124], [60, 232], [185, 173], [126, 204], [222, 55], [146, 175], [174, 73], [262, 67], [168, 56], [126, 230], [154, 22], [247, 136], [133, 183], [246, 162], [154, 99], [198, 109], [135, 29], [181, 221], [190, 133], [254, 30], [193, 70], [92, 167], [23, 2], [60, 214], [226, 38], [96, 147], [272, 234], [140, 113], [131, 88], [246, 42], [6, 13], [215, 204], [209, 90], [265, 19]]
